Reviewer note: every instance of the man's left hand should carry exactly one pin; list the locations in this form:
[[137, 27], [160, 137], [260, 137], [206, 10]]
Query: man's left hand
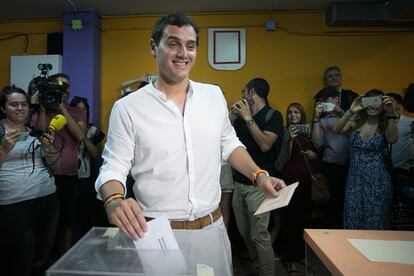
[[242, 108], [271, 185]]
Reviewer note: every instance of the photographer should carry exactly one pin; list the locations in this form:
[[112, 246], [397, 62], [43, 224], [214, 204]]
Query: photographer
[[66, 176], [333, 148], [29, 207], [295, 217], [368, 191]]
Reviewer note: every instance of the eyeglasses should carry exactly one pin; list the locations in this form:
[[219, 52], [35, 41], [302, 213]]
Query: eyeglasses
[[333, 75], [245, 90]]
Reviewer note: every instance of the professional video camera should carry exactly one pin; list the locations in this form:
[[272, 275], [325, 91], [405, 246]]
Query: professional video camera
[[45, 90]]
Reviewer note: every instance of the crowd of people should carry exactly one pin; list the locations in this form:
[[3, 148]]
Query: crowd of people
[[186, 142], [362, 144], [47, 197]]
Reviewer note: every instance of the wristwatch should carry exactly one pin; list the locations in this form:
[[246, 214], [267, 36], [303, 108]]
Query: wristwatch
[[250, 122]]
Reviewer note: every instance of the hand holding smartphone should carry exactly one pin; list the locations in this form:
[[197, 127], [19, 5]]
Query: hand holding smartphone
[[249, 100], [327, 107], [371, 101], [303, 129]]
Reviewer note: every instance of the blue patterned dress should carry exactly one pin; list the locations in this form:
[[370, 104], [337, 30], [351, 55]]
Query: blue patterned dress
[[368, 191]]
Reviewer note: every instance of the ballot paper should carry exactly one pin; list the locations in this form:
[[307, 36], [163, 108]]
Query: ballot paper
[[158, 250], [271, 203], [390, 251], [159, 236]]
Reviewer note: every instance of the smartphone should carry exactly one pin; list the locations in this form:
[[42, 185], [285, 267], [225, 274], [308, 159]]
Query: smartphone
[[370, 101], [304, 129], [327, 107], [23, 136], [249, 100]]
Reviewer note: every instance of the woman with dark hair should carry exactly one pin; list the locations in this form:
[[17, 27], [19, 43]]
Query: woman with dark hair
[[297, 214], [29, 207], [368, 191]]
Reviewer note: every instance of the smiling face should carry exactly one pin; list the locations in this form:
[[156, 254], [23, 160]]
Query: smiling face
[[294, 116], [333, 78], [374, 110], [176, 53], [16, 108]]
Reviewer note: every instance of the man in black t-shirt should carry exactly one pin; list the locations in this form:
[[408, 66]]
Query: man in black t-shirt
[[259, 133]]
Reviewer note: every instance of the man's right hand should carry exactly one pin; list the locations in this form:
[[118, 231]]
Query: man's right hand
[[127, 215]]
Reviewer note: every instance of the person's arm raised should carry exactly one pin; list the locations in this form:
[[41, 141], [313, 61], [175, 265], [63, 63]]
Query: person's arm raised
[[264, 139], [344, 124]]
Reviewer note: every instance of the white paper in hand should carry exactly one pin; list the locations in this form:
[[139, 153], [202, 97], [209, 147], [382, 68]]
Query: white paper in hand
[[159, 236], [271, 203]]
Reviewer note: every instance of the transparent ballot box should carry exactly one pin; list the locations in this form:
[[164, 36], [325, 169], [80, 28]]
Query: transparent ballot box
[[106, 251]]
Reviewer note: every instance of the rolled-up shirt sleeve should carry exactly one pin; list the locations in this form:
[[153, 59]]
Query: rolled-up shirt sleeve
[[229, 139], [119, 148]]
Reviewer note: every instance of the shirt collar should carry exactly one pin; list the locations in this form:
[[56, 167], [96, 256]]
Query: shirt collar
[[162, 96]]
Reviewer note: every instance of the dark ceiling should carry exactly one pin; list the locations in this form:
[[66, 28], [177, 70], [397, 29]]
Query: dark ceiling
[[24, 9]]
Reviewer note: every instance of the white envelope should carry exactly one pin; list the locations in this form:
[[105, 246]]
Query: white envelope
[[271, 203], [159, 236]]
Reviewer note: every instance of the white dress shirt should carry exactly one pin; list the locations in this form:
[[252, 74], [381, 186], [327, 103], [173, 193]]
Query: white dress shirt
[[174, 159]]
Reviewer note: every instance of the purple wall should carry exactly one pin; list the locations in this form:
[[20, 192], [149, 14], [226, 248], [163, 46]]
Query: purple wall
[[81, 59]]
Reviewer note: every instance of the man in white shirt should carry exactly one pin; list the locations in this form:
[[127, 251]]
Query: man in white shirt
[[172, 135]]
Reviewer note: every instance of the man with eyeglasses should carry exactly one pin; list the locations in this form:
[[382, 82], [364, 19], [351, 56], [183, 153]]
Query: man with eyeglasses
[[258, 128], [332, 77]]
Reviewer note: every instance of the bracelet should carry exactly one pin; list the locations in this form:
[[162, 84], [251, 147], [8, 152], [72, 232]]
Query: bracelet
[[112, 201], [113, 197], [315, 121], [256, 173]]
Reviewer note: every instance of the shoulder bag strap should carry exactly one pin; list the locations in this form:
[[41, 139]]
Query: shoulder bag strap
[[269, 114], [304, 157]]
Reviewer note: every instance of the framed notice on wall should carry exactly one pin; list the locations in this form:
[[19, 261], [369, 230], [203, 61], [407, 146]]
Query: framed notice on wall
[[226, 48]]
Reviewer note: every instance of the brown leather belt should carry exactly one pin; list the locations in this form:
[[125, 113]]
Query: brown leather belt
[[198, 223]]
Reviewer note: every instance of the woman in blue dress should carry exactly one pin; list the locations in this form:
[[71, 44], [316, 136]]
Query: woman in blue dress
[[371, 120]]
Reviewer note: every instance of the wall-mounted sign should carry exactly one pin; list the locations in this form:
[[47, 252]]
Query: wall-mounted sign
[[226, 48]]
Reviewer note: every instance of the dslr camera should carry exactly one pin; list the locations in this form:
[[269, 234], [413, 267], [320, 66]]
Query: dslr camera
[[47, 90]]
